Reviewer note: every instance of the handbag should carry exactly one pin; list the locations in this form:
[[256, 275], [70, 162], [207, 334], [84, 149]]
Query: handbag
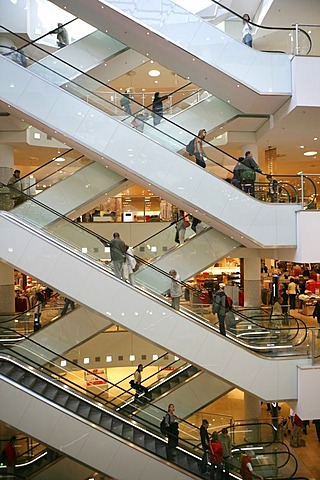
[[186, 224]]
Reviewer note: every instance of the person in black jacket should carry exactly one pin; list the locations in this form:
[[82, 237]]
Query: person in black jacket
[[157, 108], [204, 436], [316, 314]]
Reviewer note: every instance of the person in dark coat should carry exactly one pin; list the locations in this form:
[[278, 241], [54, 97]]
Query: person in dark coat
[[157, 108], [236, 180], [316, 314], [220, 307], [204, 436], [248, 173]]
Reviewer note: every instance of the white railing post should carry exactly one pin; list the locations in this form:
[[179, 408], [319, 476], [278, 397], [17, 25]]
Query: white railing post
[[297, 38]]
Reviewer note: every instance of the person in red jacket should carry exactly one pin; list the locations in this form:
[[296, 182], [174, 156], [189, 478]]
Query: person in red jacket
[[216, 457], [11, 454], [246, 469]]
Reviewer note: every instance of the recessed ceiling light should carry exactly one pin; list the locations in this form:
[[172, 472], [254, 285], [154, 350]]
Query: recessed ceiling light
[[60, 159], [315, 138], [301, 146], [154, 73], [310, 154]]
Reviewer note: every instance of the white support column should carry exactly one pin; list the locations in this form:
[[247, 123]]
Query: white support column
[[6, 272], [252, 414], [252, 281], [6, 162]]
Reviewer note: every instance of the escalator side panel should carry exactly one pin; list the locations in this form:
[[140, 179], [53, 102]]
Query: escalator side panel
[[70, 273], [146, 162], [60, 336], [194, 394], [193, 256], [64, 469]]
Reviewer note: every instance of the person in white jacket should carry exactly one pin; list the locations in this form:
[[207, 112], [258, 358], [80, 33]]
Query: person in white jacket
[[130, 265]]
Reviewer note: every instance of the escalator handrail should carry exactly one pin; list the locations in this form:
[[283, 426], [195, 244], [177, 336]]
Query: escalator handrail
[[266, 27], [186, 217]]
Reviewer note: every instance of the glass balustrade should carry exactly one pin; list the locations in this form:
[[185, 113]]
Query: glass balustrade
[[266, 38]]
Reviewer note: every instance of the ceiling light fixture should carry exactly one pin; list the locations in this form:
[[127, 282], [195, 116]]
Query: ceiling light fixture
[[154, 73], [310, 153]]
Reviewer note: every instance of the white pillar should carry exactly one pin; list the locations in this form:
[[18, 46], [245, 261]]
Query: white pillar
[[252, 282], [6, 272], [6, 162], [252, 414]]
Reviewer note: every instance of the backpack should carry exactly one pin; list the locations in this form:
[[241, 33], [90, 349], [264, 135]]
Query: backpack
[[247, 175], [163, 427], [190, 147]]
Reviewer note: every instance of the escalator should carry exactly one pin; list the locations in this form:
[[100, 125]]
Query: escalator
[[85, 431], [187, 44], [77, 426], [145, 161], [68, 269]]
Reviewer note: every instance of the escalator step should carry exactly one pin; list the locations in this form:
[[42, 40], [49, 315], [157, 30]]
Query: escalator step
[[61, 398], [51, 392], [127, 432], [116, 426], [16, 375], [28, 380], [39, 386], [95, 416], [73, 404], [106, 421], [139, 438], [150, 444], [83, 410]]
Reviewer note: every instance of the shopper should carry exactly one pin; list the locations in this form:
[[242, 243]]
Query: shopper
[[62, 36], [37, 312], [10, 455], [236, 180], [181, 226], [292, 292], [175, 289], [247, 31], [198, 148], [136, 383], [118, 254], [15, 186], [130, 264], [246, 469], [125, 102], [226, 443], [204, 436], [216, 457], [171, 422], [67, 303], [157, 108], [220, 307], [248, 173]]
